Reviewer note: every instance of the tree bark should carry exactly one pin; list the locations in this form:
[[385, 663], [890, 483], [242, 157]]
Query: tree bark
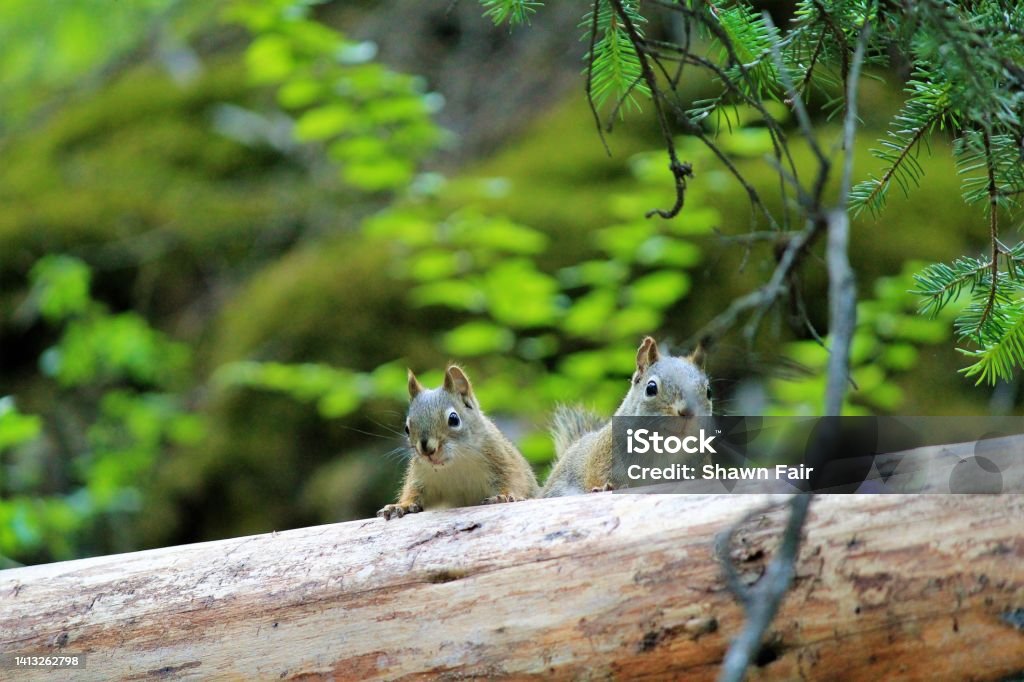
[[612, 585]]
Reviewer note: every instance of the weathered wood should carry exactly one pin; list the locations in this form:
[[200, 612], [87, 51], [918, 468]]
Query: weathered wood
[[888, 587]]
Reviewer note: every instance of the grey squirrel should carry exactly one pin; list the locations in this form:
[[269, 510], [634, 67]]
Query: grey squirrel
[[459, 457], [660, 386]]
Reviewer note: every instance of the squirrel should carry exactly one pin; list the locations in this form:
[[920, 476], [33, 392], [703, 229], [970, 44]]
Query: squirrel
[[458, 455], [660, 386]]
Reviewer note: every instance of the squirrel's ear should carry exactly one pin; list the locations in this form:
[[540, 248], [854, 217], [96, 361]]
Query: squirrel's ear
[[456, 381], [647, 354], [699, 355], [414, 385]]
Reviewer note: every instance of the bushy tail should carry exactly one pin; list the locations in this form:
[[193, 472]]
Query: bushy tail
[[569, 424]]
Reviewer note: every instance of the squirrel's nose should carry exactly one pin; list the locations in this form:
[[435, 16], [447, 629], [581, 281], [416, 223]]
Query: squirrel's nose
[[427, 448], [685, 412]]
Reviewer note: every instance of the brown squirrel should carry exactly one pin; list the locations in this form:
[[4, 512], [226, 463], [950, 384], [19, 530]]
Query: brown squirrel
[[660, 386], [458, 456]]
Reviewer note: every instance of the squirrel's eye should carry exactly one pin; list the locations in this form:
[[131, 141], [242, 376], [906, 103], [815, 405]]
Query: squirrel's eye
[[652, 389], [709, 391], [407, 428], [453, 419]]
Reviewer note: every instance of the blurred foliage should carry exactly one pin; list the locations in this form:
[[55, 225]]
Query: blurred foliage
[[264, 286], [72, 478], [44, 51], [375, 123], [889, 333]]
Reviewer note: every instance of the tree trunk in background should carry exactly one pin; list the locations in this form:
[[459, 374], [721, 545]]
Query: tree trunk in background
[[625, 586]]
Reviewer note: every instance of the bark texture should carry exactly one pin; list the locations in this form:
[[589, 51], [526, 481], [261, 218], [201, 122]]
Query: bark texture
[[608, 585]]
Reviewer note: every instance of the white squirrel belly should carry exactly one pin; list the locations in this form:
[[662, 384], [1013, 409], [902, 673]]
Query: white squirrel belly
[[465, 480]]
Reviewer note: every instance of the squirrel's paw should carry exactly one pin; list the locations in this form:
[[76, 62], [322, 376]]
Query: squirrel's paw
[[500, 499], [392, 511], [605, 488]]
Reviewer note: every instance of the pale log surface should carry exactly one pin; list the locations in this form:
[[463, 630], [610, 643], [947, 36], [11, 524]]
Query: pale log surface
[[923, 587]]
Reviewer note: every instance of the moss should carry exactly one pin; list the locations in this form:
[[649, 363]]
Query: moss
[[139, 174], [337, 301]]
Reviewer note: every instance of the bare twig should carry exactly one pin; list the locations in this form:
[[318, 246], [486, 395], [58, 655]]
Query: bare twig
[[802, 117], [842, 284], [764, 296], [763, 603], [769, 236], [764, 600]]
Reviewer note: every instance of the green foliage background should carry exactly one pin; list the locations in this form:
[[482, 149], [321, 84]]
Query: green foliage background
[[219, 257]]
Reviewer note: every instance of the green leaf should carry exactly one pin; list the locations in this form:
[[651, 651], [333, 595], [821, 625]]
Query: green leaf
[[633, 322], [326, 122], [537, 447], [521, 296], [339, 402], [113, 347], [434, 265], [300, 93], [403, 226], [478, 338], [269, 59], [659, 289], [498, 233], [389, 380], [60, 287], [455, 294], [595, 273], [588, 315], [899, 356], [16, 428], [375, 176], [665, 251], [622, 241], [584, 365]]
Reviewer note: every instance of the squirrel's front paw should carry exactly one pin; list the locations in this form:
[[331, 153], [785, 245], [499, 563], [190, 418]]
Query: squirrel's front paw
[[500, 499], [603, 489], [392, 511]]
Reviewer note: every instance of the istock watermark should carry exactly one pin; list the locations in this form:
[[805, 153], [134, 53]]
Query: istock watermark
[[872, 455], [641, 441]]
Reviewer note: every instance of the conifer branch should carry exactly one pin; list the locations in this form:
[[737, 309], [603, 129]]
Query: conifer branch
[[680, 171], [872, 192], [993, 226]]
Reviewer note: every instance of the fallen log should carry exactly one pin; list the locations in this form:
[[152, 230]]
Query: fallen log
[[625, 586]]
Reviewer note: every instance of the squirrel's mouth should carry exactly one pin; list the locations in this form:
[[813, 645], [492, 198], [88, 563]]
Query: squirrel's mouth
[[436, 458]]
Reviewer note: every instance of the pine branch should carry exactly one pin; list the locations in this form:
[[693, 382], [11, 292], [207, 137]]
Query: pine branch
[[613, 63], [680, 171], [999, 359], [918, 118], [512, 12], [752, 40]]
